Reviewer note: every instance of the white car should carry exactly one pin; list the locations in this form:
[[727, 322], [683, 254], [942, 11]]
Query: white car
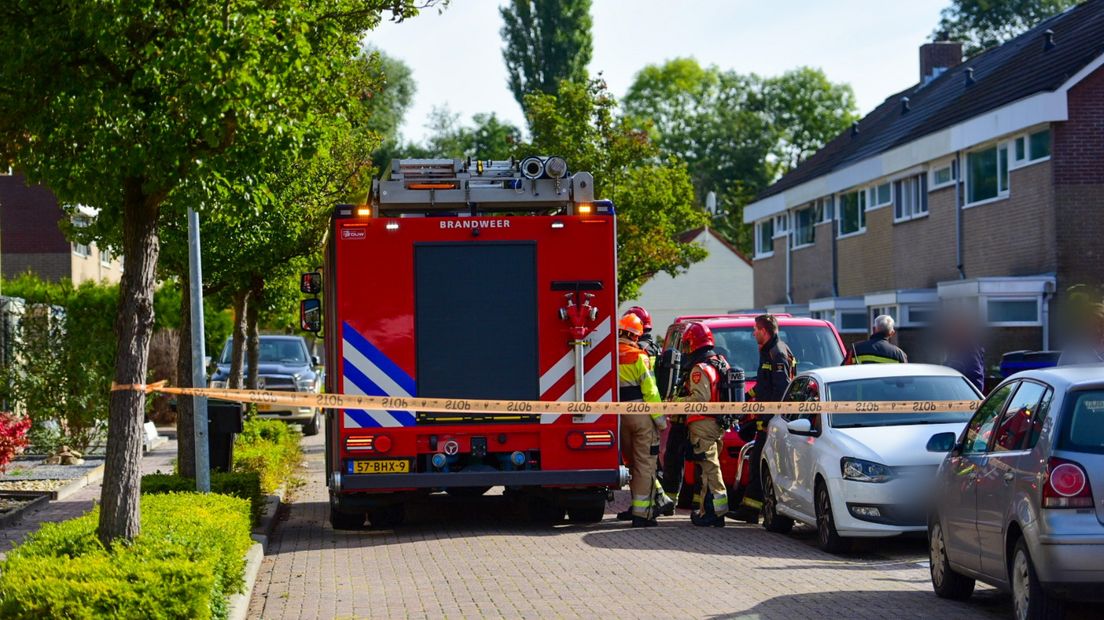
[[860, 474]]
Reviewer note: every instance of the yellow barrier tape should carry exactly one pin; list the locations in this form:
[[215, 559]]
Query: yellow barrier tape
[[541, 407]]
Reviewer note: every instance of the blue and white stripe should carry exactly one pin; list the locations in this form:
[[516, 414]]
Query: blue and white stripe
[[366, 371]]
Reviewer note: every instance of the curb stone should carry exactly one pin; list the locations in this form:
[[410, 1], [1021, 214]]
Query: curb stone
[[263, 532], [239, 603], [77, 484]]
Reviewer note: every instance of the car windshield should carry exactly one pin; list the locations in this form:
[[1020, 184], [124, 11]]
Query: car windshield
[[274, 351], [1083, 427], [813, 346], [900, 388]]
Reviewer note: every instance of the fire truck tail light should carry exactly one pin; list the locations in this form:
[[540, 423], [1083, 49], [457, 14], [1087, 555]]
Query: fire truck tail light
[[581, 440], [392, 226], [368, 443], [585, 208], [557, 224], [364, 212]]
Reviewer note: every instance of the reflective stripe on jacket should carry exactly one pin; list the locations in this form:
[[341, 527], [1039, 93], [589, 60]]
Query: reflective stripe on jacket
[[634, 374]]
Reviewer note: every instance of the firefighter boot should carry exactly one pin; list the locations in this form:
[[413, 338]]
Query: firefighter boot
[[707, 516], [625, 515], [642, 522], [664, 505]]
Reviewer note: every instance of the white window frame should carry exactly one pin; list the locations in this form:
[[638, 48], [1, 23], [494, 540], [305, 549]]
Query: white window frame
[[944, 165], [906, 319], [872, 199], [984, 302], [921, 206], [848, 330], [105, 258], [826, 211], [893, 310], [82, 250], [796, 245], [782, 225], [1002, 194], [759, 253], [1016, 162], [861, 197]]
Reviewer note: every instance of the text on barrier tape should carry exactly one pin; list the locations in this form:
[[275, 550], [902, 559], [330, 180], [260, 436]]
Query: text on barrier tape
[[538, 407]]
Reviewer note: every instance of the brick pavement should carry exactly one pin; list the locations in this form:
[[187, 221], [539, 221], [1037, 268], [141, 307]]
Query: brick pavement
[[80, 502], [482, 559]]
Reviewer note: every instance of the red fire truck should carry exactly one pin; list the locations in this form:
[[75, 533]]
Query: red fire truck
[[471, 280]]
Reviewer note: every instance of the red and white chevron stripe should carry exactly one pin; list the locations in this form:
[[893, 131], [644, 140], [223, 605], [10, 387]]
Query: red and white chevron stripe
[[558, 382]]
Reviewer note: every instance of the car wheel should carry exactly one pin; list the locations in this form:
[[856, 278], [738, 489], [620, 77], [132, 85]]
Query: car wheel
[[591, 512], [1029, 600], [312, 427], [945, 581], [772, 521], [386, 517], [828, 539]]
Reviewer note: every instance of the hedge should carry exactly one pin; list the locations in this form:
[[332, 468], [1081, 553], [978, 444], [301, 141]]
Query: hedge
[[246, 485], [189, 558], [271, 449]]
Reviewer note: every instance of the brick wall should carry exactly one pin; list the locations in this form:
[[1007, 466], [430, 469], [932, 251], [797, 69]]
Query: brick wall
[[1078, 163], [48, 266], [1015, 236], [866, 260], [924, 248], [770, 276], [29, 219], [812, 267]]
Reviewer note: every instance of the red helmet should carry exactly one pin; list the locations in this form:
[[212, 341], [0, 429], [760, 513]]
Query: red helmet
[[631, 323], [645, 318], [697, 335]]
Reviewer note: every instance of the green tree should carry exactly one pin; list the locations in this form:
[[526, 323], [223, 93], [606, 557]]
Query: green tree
[[981, 24], [737, 133], [487, 137], [119, 105], [547, 42], [654, 196]]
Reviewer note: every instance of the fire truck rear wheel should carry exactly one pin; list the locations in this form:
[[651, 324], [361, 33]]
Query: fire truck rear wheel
[[544, 510], [592, 512], [387, 516], [346, 520]]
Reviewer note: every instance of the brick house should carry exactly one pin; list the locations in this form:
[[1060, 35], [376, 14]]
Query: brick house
[[982, 185], [31, 238]]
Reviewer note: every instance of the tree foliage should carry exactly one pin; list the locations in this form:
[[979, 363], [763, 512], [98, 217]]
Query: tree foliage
[[547, 42], [487, 137], [120, 105], [981, 24], [737, 133], [654, 196]]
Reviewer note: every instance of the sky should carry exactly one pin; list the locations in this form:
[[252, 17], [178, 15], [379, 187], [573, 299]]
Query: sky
[[873, 45]]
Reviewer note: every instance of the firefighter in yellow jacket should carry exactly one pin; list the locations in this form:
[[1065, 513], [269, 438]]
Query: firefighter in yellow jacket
[[639, 432]]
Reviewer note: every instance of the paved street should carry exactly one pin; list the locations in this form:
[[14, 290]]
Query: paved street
[[482, 559]]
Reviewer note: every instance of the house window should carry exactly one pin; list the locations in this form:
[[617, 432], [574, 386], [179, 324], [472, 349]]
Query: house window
[[1032, 147], [825, 210], [105, 258], [880, 195], [852, 322], [942, 176], [1012, 311], [920, 315], [912, 198], [81, 249], [804, 222], [764, 238], [877, 311], [987, 174], [852, 213], [781, 224]]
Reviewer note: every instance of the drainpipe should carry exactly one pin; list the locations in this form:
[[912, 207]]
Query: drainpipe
[[789, 267], [1048, 294], [835, 260], [958, 198]]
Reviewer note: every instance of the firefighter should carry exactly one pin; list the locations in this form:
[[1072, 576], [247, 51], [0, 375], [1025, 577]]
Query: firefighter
[[702, 383], [646, 341], [639, 432], [878, 350], [776, 369]]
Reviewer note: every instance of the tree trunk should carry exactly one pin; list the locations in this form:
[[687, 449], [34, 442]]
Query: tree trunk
[[119, 509], [253, 335], [185, 412], [237, 343]]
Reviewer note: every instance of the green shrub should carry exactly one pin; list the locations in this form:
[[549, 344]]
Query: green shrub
[[246, 485], [271, 449], [188, 559]]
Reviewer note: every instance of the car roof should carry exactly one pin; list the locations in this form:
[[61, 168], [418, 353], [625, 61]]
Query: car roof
[[748, 321], [275, 337], [831, 374], [1066, 377]]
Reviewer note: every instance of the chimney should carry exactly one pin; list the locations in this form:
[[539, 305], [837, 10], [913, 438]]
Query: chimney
[[937, 57]]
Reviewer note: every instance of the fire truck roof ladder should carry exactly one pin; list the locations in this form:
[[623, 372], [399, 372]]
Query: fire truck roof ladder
[[443, 186]]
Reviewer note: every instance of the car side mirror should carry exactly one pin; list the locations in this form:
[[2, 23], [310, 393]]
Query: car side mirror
[[315, 361], [800, 426], [310, 315], [310, 283], [942, 442]]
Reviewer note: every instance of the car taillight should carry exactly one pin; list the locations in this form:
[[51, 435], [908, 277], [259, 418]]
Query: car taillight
[[1067, 485]]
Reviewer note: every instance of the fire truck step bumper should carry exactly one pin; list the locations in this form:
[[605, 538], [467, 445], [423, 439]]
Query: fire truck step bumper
[[585, 477]]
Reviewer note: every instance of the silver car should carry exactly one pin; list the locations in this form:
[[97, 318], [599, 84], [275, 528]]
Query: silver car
[[1015, 506]]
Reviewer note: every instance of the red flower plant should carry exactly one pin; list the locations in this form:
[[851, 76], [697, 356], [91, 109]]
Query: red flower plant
[[13, 437]]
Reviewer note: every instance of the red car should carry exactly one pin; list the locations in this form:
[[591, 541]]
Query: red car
[[815, 344]]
